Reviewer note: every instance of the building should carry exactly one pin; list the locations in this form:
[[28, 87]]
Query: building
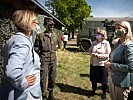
[[86, 32]]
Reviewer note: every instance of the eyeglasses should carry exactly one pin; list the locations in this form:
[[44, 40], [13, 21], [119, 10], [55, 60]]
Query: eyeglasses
[[36, 23]]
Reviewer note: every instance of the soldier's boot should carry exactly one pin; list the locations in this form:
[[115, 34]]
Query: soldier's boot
[[51, 95]]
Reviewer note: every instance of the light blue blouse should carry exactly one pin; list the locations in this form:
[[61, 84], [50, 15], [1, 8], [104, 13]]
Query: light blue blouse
[[20, 60]]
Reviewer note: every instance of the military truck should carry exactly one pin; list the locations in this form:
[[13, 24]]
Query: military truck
[[87, 29], [86, 33]]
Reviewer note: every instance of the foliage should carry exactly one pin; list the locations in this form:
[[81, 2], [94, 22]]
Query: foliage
[[71, 12]]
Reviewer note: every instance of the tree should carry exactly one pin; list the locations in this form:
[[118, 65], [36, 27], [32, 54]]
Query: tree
[[71, 12]]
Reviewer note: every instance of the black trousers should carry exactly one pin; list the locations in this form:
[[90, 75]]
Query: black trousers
[[94, 87], [48, 70], [64, 42], [98, 74]]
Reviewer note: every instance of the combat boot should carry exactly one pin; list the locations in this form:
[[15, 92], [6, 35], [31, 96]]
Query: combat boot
[[51, 95]]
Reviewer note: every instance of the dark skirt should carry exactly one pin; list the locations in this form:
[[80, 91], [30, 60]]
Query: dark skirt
[[98, 74]]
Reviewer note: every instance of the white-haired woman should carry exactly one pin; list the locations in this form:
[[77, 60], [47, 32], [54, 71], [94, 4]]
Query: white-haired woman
[[120, 65], [99, 52]]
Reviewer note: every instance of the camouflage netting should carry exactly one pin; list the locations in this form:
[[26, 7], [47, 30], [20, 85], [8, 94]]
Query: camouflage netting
[[7, 28]]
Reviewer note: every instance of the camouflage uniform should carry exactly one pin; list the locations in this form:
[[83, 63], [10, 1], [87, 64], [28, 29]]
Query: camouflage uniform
[[47, 43]]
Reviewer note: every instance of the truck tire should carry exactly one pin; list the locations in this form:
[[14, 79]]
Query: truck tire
[[85, 45]]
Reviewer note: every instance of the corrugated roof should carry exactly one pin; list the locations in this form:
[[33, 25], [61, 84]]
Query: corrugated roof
[[109, 19], [37, 2]]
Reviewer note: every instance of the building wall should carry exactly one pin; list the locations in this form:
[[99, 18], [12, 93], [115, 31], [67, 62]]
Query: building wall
[[89, 27]]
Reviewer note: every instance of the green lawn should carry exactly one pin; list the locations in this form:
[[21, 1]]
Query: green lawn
[[72, 81]]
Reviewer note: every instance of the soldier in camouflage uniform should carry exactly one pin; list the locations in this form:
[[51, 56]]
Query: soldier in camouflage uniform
[[47, 51]]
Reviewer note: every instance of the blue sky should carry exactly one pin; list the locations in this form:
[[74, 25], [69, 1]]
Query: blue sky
[[111, 8]]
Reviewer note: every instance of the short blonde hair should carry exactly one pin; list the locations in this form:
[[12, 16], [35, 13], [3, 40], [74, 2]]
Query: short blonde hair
[[102, 32], [23, 19], [127, 27]]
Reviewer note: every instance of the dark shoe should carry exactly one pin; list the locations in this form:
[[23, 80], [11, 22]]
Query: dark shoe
[[51, 95], [51, 98], [103, 97], [92, 93]]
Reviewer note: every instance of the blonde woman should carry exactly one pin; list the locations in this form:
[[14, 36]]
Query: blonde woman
[[21, 63], [120, 65], [99, 52]]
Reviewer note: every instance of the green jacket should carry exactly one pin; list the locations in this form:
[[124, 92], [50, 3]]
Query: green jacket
[[47, 46], [122, 65]]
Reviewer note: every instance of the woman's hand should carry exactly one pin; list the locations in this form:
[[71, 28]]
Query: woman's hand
[[95, 54], [107, 64], [31, 79]]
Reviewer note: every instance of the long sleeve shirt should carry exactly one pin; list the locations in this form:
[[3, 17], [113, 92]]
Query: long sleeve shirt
[[20, 60], [101, 50]]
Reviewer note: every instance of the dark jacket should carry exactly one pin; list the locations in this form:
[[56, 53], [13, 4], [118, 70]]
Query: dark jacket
[[47, 46]]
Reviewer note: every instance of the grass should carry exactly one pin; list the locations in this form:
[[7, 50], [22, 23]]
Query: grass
[[72, 81]]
